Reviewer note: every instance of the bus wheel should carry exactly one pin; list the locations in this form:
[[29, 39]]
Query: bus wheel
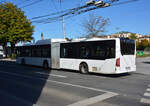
[[23, 62], [45, 65], [83, 68]]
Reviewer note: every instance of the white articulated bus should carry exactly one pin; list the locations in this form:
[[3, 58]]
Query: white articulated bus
[[107, 56], [38, 54]]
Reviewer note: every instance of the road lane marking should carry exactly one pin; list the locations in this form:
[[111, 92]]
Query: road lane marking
[[80, 86], [55, 75], [93, 100], [146, 94], [143, 100], [58, 82]]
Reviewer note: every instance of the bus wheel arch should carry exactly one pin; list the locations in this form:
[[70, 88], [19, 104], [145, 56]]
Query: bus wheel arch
[[45, 64], [83, 68]]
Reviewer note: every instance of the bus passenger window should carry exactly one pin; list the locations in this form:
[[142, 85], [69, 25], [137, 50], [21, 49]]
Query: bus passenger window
[[84, 52], [63, 53], [107, 52], [100, 52]]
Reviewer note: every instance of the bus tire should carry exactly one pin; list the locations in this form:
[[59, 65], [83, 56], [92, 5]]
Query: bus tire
[[23, 62], [83, 68], [45, 65]]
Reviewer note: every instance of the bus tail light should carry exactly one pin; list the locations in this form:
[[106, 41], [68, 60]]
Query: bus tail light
[[118, 62]]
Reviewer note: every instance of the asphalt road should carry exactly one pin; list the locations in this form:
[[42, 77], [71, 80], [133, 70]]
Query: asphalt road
[[32, 86]]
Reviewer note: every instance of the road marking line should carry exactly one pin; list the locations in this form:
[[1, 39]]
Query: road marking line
[[148, 89], [146, 94], [143, 100], [80, 86], [68, 84], [55, 75], [93, 100]]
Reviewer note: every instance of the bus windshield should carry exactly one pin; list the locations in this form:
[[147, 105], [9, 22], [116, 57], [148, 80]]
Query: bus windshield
[[127, 46]]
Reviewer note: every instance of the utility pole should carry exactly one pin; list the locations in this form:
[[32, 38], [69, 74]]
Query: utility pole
[[63, 25]]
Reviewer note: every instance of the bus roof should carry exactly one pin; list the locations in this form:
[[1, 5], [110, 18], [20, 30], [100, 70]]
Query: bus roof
[[91, 39], [49, 41], [43, 42]]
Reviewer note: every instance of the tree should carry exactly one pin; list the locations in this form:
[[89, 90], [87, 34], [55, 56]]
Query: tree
[[137, 45], [14, 26], [95, 25], [133, 36], [144, 43]]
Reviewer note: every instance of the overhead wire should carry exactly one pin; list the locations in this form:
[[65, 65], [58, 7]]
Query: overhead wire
[[60, 16], [68, 12], [68, 17], [124, 2], [35, 2], [75, 11], [64, 11]]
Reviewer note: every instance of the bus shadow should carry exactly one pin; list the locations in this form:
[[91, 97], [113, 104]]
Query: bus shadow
[[111, 75], [96, 74], [146, 62], [25, 82], [66, 70]]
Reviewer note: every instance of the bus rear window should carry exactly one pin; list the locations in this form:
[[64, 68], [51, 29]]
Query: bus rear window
[[127, 46]]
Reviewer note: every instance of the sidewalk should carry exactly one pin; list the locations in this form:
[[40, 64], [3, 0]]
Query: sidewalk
[[143, 65]]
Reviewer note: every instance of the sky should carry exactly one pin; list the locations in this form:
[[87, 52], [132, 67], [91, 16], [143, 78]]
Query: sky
[[133, 17]]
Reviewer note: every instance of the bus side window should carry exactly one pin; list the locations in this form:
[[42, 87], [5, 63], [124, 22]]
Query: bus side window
[[45, 52], [34, 52], [100, 52], [104, 50], [84, 52], [112, 50], [107, 52], [63, 51]]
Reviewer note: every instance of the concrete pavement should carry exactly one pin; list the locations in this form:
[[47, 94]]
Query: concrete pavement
[[30, 86], [143, 65]]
